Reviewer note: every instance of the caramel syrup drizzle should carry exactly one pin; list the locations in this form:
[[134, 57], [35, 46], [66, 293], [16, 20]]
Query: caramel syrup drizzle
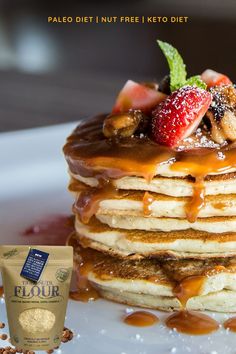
[[88, 200], [84, 290], [213, 162], [188, 287], [87, 203], [197, 202]]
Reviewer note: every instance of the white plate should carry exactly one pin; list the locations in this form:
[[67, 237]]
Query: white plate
[[33, 183]]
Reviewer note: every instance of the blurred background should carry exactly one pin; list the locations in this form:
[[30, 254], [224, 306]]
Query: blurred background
[[54, 73]]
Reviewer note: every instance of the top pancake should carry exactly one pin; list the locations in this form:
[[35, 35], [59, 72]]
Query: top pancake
[[90, 154]]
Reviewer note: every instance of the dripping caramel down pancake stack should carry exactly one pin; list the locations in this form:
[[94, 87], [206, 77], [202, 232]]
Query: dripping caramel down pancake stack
[[155, 197]]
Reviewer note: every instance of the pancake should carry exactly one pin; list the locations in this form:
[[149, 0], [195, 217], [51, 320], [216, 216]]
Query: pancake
[[176, 187], [159, 205], [150, 283], [139, 244], [223, 301], [109, 205], [89, 153], [218, 225]]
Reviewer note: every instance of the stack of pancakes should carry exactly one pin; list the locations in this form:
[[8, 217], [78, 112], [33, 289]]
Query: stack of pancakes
[[154, 220]]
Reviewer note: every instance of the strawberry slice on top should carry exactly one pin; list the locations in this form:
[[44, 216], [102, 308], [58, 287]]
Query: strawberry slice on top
[[213, 78], [137, 96], [179, 115]]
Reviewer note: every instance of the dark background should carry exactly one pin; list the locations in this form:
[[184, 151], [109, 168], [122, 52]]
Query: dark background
[[54, 73]]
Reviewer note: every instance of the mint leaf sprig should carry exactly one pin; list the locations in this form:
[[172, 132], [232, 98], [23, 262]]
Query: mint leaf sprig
[[178, 74]]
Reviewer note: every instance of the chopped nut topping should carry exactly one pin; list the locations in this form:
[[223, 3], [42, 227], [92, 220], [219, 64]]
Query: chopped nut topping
[[224, 99], [124, 125], [222, 114]]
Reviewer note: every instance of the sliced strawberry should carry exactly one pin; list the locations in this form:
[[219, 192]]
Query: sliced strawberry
[[213, 78], [137, 96], [179, 115]]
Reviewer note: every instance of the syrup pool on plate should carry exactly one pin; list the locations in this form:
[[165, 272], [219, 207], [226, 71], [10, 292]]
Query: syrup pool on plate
[[141, 319], [191, 322], [50, 230], [1, 291], [230, 324]]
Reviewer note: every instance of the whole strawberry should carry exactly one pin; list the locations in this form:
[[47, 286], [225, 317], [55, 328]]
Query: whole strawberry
[[179, 115]]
